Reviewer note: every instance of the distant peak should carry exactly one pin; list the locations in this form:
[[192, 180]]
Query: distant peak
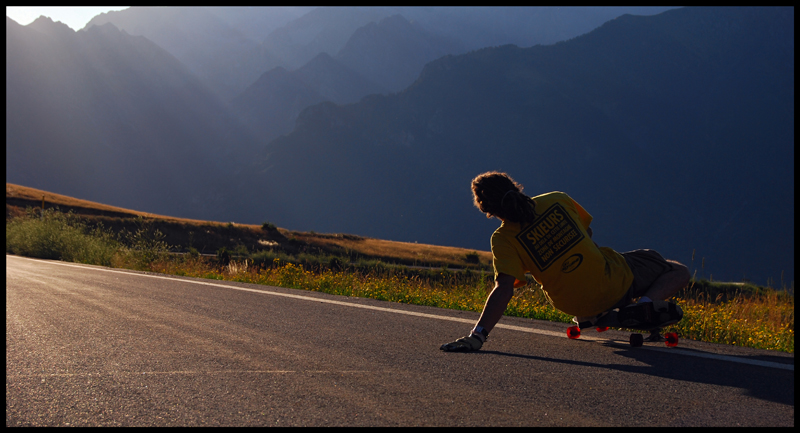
[[42, 20], [46, 25], [103, 28]]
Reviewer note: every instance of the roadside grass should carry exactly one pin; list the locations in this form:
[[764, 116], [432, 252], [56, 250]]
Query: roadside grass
[[743, 315], [759, 318], [762, 320]]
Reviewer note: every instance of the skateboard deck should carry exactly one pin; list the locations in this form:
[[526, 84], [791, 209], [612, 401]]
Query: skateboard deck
[[612, 320]]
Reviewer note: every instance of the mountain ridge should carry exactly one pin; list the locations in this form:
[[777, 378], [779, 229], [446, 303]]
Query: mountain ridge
[[393, 51], [296, 34]]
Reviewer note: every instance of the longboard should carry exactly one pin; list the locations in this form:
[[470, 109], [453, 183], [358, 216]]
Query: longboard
[[611, 320]]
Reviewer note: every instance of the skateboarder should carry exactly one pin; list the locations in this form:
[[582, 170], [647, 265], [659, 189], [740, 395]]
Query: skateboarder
[[549, 236]]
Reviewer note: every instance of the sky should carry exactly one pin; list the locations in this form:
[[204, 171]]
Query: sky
[[75, 17]]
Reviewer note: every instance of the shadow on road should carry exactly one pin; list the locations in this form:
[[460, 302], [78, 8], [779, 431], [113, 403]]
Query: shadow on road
[[765, 383]]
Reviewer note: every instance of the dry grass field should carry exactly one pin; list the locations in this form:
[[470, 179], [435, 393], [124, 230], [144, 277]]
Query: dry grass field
[[19, 197], [22, 196], [404, 251]]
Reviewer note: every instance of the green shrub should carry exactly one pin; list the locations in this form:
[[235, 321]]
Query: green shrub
[[146, 244], [223, 256], [241, 251], [58, 236]]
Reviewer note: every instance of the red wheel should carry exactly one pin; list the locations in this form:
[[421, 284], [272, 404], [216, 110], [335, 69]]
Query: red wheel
[[671, 339], [602, 328], [573, 332], [636, 340]]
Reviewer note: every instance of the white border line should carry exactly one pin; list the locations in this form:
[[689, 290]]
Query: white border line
[[769, 364]]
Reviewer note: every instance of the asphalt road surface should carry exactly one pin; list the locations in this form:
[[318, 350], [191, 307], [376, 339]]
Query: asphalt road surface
[[92, 346]]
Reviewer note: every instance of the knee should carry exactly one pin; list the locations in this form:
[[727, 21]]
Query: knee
[[681, 273]]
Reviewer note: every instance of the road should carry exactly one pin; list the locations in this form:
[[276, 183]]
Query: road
[[92, 346]]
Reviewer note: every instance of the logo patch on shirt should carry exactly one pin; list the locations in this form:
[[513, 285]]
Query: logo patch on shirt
[[550, 237], [571, 263]]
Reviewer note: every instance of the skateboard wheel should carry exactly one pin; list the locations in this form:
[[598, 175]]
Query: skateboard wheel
[[637, 340], [573, 332], [671, 339], [602, 328]]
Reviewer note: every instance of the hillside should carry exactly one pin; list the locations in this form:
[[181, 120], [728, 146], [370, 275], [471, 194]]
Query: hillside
[[209, 236], [117, 118]]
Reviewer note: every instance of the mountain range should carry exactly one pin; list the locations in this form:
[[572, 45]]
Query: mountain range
[[674, 130], [223, 47], [374, 49]]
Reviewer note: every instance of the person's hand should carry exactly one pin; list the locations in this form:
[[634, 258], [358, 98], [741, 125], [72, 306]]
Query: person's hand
[[464, 344]]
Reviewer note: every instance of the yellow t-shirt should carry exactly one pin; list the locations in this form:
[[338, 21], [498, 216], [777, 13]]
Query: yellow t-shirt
[[578, 277]]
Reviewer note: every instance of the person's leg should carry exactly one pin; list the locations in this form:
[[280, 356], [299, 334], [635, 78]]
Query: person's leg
[[654, 276], [654, 279], [669, 283]]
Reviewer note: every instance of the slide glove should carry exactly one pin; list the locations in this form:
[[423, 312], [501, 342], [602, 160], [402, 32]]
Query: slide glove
[[464, 344]]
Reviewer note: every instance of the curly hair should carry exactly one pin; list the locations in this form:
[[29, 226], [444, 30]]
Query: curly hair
[[497, 194]]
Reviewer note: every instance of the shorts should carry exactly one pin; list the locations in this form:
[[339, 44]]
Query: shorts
[[646, 266]]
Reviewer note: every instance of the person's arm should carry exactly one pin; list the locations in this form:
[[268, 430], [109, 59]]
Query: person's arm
[[497, 302], [493, 310]]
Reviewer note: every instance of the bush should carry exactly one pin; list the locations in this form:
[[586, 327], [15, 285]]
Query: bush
[[335, 263], [59, 236], [223, 256], [146, 244]]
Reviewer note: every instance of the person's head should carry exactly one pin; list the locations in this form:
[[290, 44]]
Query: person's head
[[497, 195]]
